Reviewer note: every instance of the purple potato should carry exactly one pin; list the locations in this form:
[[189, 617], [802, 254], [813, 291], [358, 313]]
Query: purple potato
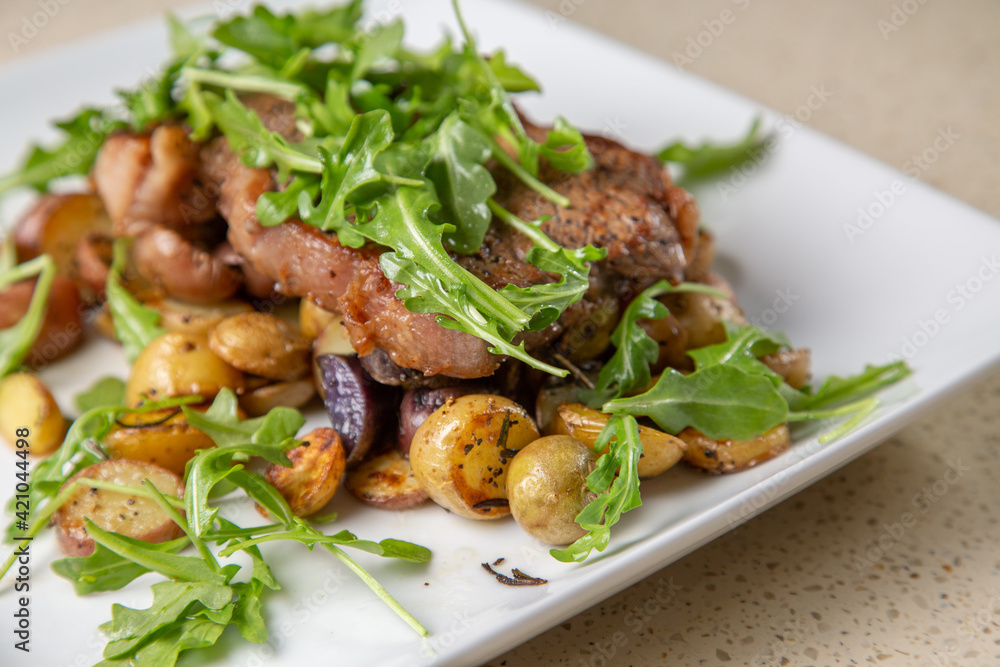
[[418, 404], [360, 409]]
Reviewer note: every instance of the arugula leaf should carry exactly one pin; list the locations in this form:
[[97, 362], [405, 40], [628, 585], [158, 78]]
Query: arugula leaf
[[221, 422], [628, 369], [104, 393], [743, 347], [511, 77], [351, 169], [710, 158], [376, 47], [836, 390], [274, 208], [565, 148], [183, 42], [105, 570], [723, 402], [463, 185], [129, 628], [84, 135], [182, 635], [181, 568], [136, 325], [16, 341], [545, 302], [616, 480]]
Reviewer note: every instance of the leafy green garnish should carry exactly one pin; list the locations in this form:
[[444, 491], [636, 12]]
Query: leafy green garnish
[[721, 401], [635, 351], [16, 341], [105, 570], [710, 158], [106, 392], [616, 480], [75, 155], [136, 325]]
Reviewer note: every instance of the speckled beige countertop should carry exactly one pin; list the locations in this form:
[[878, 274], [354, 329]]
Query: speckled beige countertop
[[786, 588]]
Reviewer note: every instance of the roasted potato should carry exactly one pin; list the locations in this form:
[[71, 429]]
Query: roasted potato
[[260, 400], [547, 488], [660, 451], [263, 345], [163, 438], [792, 365], [179, 365], [360, 409], [317, 466], [125, 514], [332, 340], [26, 403], [420, 403], [460, 454], [313, 320], [56, 224], [585, 340], [701, 315], [195, 319], [724, 456], [62, 327], [386, 482]]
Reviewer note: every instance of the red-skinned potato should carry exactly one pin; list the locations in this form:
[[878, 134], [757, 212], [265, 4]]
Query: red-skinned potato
[[55, 225], [126, 514], [61, 329]]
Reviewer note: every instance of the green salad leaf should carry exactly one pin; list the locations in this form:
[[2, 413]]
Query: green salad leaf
[[16, 341], [136, 325], [709, 158]]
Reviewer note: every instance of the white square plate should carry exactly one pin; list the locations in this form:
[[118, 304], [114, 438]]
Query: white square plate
[[783, 244]]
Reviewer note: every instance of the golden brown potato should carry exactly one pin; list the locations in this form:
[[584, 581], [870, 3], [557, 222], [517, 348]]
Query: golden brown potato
[[461, 452], [585, 340], [56, 224], [547, 488], [179, 365], [723, 456], [26, 403], [701, 315], [660, 451], [263, 345], [195, 319], [792, 365], [260, 400], [62, 328], [163, 438], [386, 482], [317, 466], [313, 319], [122, 513]]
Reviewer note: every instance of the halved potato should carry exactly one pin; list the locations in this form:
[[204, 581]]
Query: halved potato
[[196, 319], [26, 403], [317, 466], [262, 399], [163, 438], [723, 456], [313, 319], [261, 344], [122, 513], [178, 364], [461, 452], [660, 451], [386, 482], [56, 224], [62, 327]]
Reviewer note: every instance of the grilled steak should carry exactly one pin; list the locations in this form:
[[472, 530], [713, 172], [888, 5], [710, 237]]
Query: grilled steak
[[626, 204]]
